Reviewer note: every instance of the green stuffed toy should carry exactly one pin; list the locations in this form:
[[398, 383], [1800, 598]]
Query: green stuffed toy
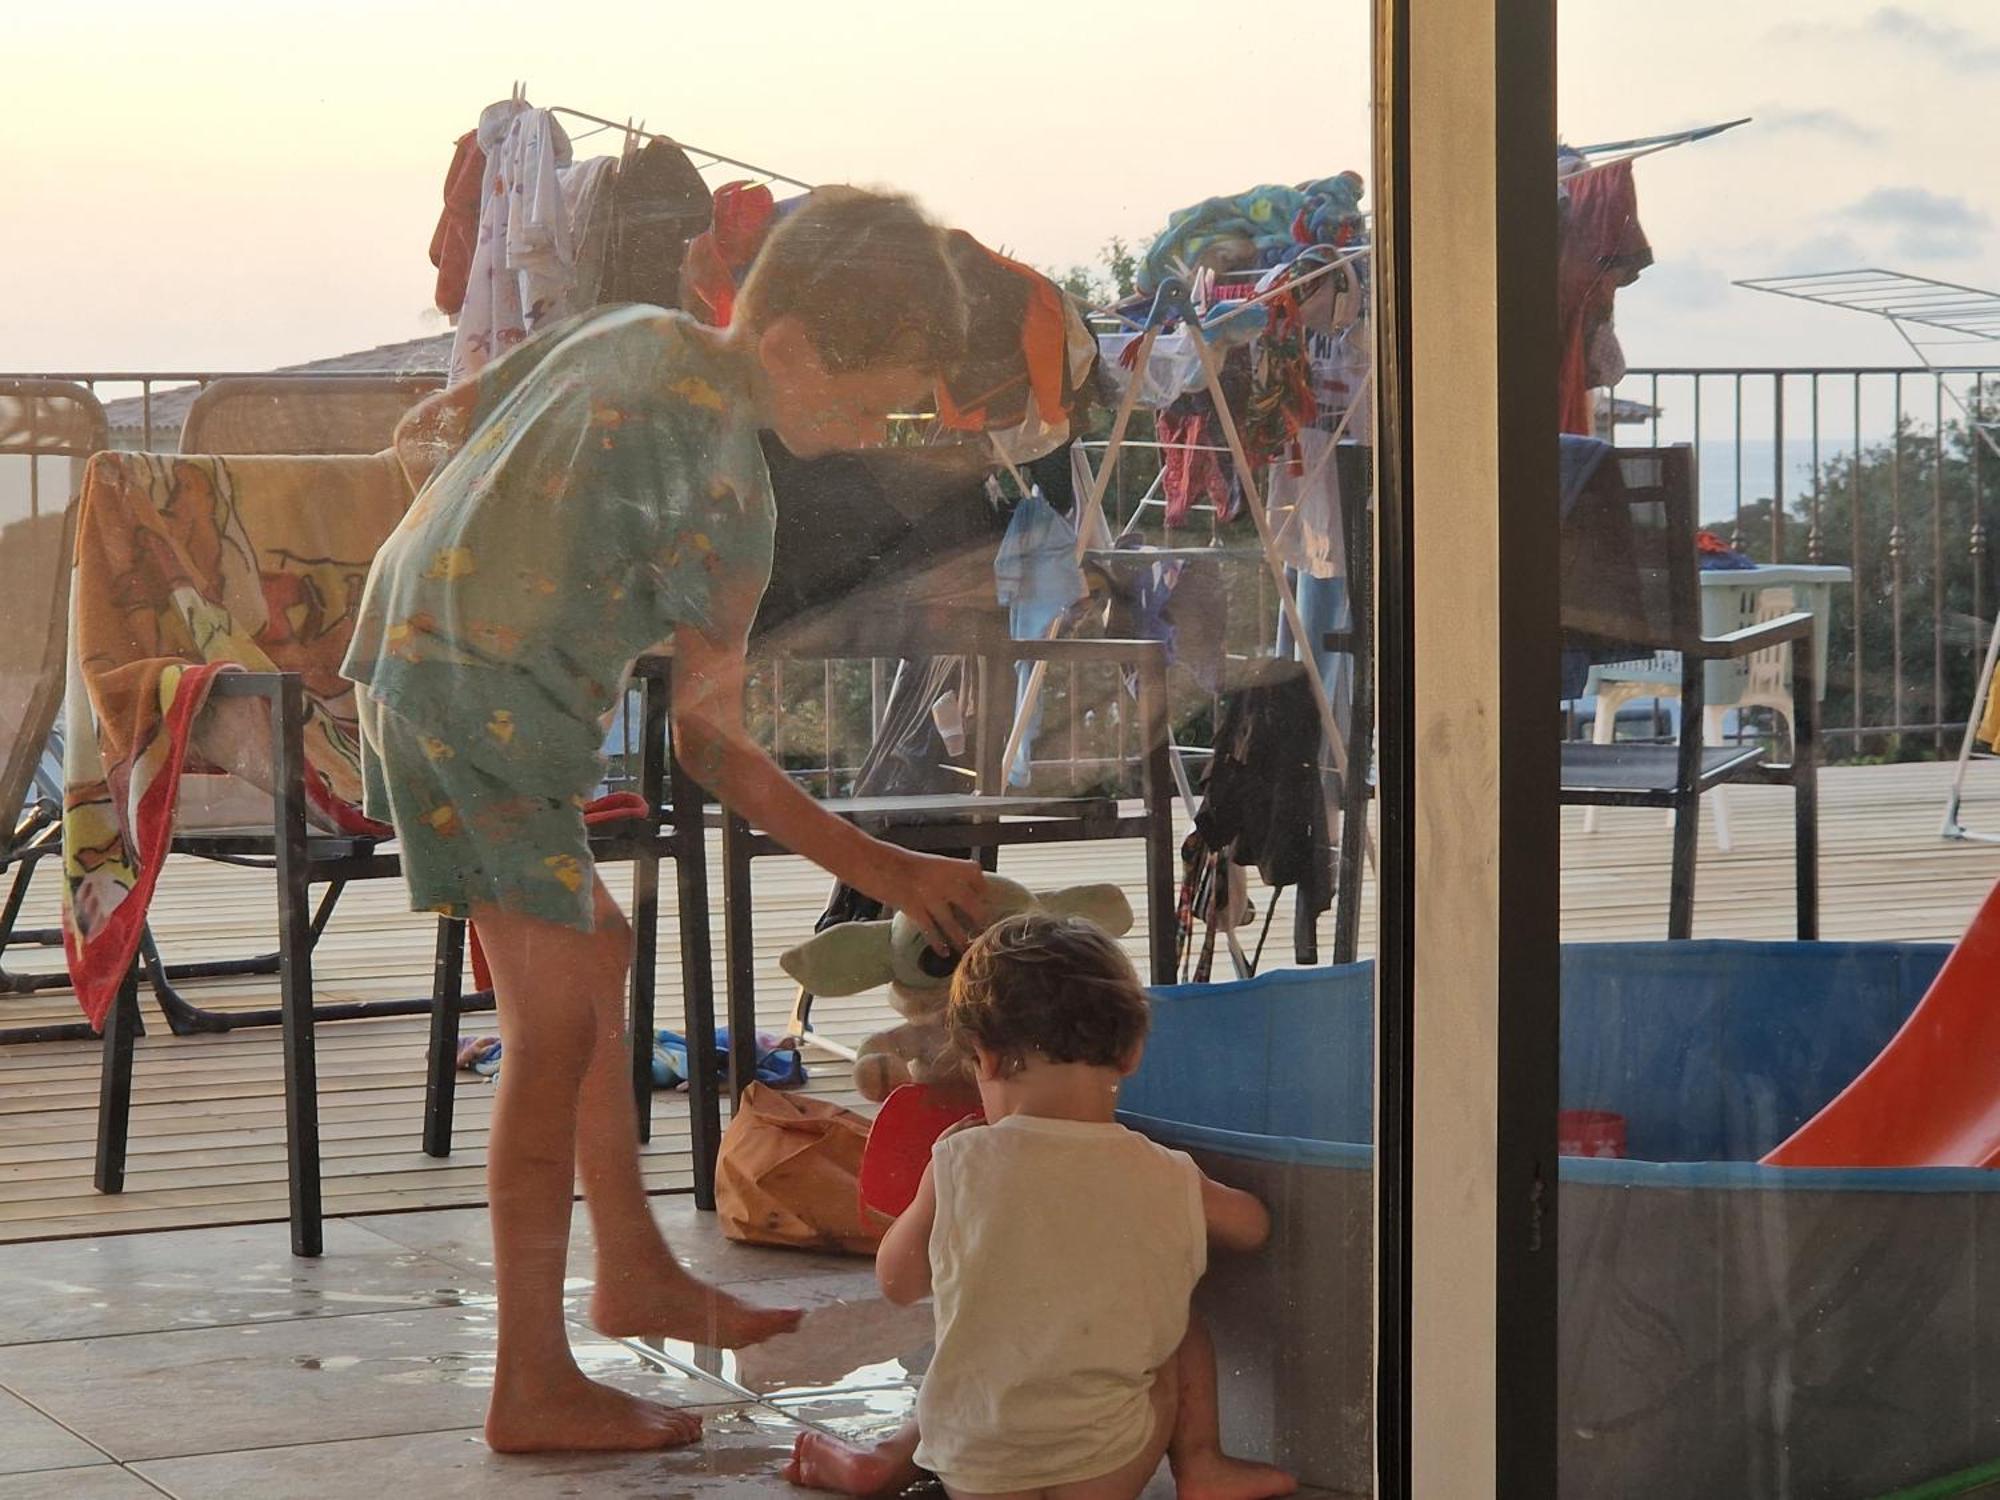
[[855, 956]]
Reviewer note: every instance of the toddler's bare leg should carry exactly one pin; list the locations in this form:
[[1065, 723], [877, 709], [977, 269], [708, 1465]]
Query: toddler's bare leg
[[642, 1291], [546, 977], [1201, 1470], [821, 1461]]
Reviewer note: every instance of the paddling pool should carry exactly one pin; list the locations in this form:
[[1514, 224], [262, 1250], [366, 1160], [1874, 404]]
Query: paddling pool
[[1725, 1328]]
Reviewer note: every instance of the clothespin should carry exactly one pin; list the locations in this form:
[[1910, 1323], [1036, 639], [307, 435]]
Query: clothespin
[[1171, 302]]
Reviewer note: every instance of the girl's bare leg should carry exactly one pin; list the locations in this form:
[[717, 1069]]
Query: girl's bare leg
[[641, 1290], [548, 979]]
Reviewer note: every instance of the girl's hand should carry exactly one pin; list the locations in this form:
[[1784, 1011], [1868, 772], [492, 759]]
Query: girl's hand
[[947, 898]]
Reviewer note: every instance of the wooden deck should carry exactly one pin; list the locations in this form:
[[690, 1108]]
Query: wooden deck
[[208, 1141]]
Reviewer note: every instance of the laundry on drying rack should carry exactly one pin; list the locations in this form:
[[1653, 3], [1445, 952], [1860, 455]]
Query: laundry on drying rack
[[1190, 438], [528, 235], [719, 257], [1262, 227], [1303, 502], [524, 257], [659, 203], [458, 225], [1601, 248]]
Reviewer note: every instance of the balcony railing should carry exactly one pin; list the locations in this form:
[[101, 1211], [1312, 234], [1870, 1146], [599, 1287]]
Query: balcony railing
[[1883, 470]]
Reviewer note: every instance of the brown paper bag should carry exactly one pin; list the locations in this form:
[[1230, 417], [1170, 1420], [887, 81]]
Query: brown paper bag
[[788, 1174]]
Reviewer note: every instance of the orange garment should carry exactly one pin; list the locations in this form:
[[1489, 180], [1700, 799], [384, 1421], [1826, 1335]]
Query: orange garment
[[718, 257], [1017, 344], [1602, 248], [458, 225]]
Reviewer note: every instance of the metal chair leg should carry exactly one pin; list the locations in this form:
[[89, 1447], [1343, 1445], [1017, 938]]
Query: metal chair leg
[[1680, 898], [641, 1021], [739, 957], [295, 981], [1805, 783], [122, 1027], [644, 977], [441, 1069], [697, 981], [1156, 779], [1687, 800]]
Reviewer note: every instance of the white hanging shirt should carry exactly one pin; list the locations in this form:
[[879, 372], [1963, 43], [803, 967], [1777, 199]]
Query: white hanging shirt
[[1063, 1259], [533, 210]]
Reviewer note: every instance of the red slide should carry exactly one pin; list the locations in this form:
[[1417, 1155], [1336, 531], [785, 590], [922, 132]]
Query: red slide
[[1932, 1098]]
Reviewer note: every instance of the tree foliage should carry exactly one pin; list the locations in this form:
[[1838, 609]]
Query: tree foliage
[[1903, 515]]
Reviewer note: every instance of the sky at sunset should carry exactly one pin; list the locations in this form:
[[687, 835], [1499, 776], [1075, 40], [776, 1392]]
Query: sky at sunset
[[213, 186]]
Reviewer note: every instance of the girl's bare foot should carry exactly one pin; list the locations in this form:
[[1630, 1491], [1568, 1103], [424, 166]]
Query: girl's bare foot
[[821, 1461], [673, 1305], [1213, 1476], [572, 1414]]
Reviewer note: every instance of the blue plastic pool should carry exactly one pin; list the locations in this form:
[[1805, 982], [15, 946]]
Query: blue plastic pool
[[1726, 1328]]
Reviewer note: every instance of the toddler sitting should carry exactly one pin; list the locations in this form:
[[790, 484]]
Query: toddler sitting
[[1061, 1250]]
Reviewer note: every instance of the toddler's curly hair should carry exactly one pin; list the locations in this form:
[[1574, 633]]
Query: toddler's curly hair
[[1053, 987]]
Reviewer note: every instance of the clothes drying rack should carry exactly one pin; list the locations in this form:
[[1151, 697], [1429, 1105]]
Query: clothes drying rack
[[1930, 316], [639, 131], [1174, 302]]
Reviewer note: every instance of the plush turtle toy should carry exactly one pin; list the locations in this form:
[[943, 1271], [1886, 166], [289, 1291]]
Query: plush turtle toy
[[855, 956]]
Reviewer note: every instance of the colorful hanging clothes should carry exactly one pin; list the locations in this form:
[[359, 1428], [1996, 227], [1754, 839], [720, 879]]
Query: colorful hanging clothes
[[588, 190], [1189, 436], [186, 568], [1029, 353], [1282, 399], [1036, 576], [458, 225], [1304, 506], [489, 321], [1602, 248], [1253, 229]]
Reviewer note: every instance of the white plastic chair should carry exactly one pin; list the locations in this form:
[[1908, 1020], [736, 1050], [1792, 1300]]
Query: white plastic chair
[[1767, 683]]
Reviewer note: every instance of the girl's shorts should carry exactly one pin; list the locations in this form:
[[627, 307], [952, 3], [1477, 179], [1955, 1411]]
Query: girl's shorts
[[468, 838]]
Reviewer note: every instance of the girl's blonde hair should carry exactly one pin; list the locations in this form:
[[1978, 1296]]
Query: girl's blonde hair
[[869, 277]]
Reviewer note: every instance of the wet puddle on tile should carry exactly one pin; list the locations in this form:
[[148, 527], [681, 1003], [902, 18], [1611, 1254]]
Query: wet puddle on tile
[[861, 1344]]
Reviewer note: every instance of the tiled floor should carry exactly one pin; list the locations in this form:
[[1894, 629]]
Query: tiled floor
[[208, 1364]]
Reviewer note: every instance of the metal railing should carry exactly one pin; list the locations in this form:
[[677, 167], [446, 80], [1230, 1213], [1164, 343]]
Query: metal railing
[[813, 717], [1881, 469], [1878, 468]]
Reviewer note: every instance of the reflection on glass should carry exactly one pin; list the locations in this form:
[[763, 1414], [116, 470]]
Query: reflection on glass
[[1771, 1229], [806, 535]]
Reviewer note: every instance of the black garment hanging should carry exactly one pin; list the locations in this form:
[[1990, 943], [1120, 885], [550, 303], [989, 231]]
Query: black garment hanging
[[659, 203], [1263, 801]]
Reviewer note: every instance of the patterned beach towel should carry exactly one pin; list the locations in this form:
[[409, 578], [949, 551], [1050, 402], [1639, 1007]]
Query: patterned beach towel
[[187, 567]]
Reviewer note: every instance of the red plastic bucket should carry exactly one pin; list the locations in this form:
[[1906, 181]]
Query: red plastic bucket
[[1590, 1132]]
